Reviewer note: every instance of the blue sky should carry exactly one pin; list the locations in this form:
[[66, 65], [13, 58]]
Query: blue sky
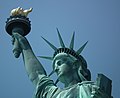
[[96, 21]]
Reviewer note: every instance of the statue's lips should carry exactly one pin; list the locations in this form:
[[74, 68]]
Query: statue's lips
[[59, 74]]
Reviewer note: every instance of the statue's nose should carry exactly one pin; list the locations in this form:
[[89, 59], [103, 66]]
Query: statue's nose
[[56, 69]]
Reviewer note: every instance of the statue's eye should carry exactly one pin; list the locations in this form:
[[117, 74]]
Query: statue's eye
[[59, 62]]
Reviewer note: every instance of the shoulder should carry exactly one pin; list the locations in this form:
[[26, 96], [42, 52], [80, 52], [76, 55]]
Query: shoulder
[[44, 81], [44, 86]]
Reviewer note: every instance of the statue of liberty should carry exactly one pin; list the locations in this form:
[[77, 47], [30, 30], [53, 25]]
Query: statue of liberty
[[70, 67]]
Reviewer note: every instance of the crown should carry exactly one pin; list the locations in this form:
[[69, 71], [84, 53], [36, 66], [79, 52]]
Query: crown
[[66, 50]]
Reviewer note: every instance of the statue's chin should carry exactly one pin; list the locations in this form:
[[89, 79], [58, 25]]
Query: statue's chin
[[61, 78]]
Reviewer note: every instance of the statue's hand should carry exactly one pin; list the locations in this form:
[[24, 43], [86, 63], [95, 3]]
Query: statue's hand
[[24, 44], [20, 43]]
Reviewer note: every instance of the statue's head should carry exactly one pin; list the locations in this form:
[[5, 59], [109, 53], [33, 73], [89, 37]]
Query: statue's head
[[68, 65], [68, 62]]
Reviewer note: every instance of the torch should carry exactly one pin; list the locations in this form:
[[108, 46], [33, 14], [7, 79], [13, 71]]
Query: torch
[[18, 23]]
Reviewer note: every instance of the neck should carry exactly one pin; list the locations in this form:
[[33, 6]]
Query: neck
[[71, 81]]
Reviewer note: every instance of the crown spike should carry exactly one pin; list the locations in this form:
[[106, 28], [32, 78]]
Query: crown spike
[[46, 57], [51, 45], [60, 39], [81, 48], [72, 42]]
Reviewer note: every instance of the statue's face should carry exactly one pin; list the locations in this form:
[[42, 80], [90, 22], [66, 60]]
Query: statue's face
[[63, 65]]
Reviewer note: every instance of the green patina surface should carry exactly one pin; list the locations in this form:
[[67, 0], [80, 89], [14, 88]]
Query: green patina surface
[[68, 64]]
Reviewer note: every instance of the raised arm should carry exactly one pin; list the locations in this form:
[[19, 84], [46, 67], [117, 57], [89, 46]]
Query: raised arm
[[32, 64]]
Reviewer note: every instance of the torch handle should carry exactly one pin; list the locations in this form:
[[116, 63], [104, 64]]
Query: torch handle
[[16, 49]]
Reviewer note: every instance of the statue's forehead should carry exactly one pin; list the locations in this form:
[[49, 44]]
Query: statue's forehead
[[63, 55], [60, 55]]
